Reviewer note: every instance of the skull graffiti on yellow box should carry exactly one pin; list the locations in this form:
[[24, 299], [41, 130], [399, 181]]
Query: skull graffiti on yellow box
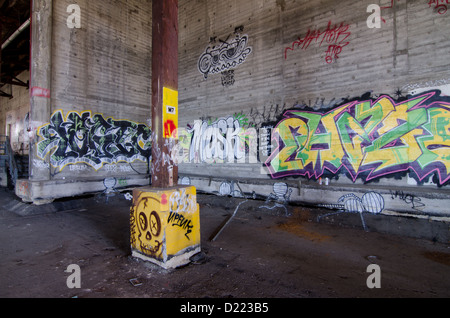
[[165, 225]]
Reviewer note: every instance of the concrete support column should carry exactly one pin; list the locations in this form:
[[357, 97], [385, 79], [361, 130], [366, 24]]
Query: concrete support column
[[40, 81], [32, 189], [165, 225]]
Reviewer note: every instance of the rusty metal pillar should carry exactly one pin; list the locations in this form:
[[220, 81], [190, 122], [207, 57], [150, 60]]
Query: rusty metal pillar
[[164, 91], [158, 211], [0, 56]]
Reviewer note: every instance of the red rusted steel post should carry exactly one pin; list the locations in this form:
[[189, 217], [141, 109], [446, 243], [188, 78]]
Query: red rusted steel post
[[164, 91]]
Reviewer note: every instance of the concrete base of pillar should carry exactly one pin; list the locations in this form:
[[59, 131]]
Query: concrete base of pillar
[[43, 192], [174, 262], [165, 225]]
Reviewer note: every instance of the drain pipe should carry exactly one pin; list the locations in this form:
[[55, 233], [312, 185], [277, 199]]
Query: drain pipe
[[25, 25]]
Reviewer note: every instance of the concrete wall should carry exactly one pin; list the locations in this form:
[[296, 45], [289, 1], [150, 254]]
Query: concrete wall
[[97, 134], [243, 65], [104, 68]]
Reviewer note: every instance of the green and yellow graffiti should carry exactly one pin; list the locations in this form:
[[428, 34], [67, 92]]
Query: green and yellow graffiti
[[370, 139]]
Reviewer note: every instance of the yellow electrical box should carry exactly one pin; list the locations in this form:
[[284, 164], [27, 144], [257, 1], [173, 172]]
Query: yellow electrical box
[[165, 225]]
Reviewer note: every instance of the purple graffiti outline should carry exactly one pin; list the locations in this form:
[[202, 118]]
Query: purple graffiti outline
[[427, 171], [310, 172], [305, 172]]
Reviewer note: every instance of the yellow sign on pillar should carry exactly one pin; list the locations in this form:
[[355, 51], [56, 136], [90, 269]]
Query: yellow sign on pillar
[[165, 225], [170, 113]]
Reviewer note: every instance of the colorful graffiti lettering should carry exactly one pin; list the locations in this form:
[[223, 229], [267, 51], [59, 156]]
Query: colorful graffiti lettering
[[336, 38], [92, 139], [370, 139], [224, 140]]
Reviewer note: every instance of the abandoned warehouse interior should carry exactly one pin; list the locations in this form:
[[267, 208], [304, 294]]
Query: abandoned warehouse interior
[[342, 105]]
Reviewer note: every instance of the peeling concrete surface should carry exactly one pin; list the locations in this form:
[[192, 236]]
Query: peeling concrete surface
[[260, 254]]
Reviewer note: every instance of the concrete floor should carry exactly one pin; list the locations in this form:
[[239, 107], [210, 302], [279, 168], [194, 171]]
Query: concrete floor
[[261, 254]]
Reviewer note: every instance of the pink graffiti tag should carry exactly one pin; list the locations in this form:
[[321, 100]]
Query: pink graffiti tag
[[335, 36], [439, 5], [388, 7]]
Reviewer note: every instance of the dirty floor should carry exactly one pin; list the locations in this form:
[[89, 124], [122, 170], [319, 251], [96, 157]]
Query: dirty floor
[[261, 254]]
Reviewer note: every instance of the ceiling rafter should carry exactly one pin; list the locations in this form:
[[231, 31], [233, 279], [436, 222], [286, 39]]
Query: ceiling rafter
[[15, 55]]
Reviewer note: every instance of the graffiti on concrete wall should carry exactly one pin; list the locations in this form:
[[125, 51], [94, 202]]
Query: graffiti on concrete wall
[[265, 143], [366, 139], [92, 139], [237, 138], [280, 197], [334, 37], [440, 6], [228, 78], [266, 115], [226, 56], [225, 140], [371, 202], [410, 199], [233, 188]]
